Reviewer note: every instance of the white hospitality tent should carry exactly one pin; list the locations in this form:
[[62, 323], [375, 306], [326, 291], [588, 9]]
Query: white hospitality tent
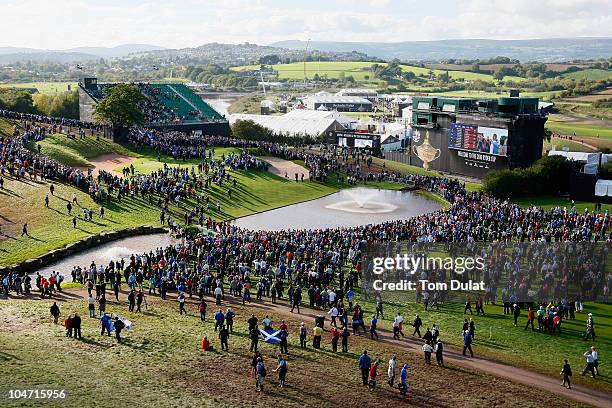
[[603, 188], [291, 126]]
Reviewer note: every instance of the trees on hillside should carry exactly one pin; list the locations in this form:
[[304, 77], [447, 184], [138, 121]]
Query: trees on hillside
[[64, 104]]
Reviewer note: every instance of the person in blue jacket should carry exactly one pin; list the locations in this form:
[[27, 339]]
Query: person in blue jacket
[[404, 380], [219, 319], [467, 343], [364, 365]]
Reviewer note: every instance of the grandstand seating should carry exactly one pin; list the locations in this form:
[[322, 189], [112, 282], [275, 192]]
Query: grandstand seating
[[180, 104]]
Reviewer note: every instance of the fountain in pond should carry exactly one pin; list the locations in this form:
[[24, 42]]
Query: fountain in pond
[[361, 202]]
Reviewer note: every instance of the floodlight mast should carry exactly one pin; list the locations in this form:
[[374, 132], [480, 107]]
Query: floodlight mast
[[305, 53], [263, 84]]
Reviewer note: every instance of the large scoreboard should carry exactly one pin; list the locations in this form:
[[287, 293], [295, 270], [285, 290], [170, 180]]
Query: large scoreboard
[[478, 138], [368, 141]]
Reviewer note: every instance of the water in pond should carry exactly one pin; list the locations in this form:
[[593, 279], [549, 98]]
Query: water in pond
[[348, 208], [114, 250]]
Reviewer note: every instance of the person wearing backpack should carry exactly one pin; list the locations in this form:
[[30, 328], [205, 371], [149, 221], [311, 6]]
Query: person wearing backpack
[[260, 374], [282, 370]]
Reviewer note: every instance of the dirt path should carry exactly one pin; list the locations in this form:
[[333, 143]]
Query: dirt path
[[498, 369], [109, 162], [451, 355], [280, 167]]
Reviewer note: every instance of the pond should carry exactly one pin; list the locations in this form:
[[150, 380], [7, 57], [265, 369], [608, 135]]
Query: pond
[[351, 207], [346, 208], [115, 250]]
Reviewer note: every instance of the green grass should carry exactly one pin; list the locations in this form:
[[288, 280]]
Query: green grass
[[434, 197], [497, 338], [51, 228], [76, 151], [559, 144], [591, 73], [43, 87], [580, 130], [6, 127], [161, 361], [548, 202], [404, 168]]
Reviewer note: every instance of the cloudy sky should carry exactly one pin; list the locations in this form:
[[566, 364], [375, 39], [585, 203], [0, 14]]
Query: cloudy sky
[[60, 24]]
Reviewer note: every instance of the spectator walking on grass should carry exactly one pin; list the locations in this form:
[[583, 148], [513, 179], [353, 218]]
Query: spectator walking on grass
[[467, 343], [566, 371], [55, 312], [364, 365]]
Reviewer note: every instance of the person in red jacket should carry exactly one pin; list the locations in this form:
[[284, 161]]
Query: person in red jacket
[[373, 375], [530, 319], [206, 344]]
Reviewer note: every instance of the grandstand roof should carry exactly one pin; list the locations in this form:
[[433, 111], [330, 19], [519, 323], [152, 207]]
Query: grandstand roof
[[291, 125], [363, 91], [336, 99], [316, 115]]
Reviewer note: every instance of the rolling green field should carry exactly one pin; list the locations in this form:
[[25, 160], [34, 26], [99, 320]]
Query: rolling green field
[[43, 87], [358, 70], [591, 73], [590, 131]]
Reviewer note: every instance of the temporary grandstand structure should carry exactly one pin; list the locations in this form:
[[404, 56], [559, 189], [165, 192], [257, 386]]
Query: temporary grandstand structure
[[292, 124]]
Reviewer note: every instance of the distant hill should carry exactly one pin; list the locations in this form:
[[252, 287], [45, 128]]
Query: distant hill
[[544, 50], [10, 55], [118, 51], [46, 56]]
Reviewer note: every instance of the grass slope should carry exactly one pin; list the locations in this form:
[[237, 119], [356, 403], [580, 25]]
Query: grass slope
[[76, 151], [591, 73]]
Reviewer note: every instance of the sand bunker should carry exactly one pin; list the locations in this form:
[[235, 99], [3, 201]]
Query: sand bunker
[[280, 167]]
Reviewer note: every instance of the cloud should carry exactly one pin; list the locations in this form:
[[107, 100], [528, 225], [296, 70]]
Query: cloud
[[182, 23]]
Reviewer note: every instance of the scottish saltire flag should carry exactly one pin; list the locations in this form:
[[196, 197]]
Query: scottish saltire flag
[[270, 335]]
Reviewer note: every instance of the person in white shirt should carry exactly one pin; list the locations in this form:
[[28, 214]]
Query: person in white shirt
[[589, 366], [397, 326], [332, 297], [391, 370], [333, 312], [595, 362], [427, 349]]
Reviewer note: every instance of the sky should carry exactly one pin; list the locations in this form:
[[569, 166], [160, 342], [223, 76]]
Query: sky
[[62, 24]]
